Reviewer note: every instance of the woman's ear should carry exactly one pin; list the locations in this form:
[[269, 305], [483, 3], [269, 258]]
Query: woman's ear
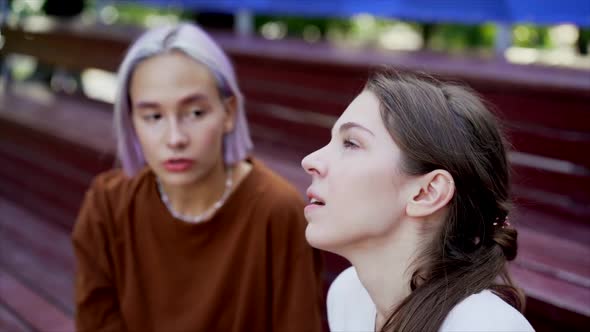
[[231, 106], [433, 192]]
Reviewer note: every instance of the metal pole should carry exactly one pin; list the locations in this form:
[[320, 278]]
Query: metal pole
[[244, 25], [503, 38], [5, 69]]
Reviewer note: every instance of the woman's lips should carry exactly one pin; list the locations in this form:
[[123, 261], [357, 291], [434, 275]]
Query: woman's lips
[[312, 207], [315, 202], [178, 165]]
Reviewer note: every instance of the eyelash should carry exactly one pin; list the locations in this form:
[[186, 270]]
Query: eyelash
[[157, 116], [197, 113], [152, 117], [348, 144]]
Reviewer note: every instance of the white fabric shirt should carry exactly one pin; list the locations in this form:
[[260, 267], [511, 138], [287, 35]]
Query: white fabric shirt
[[350, 309]]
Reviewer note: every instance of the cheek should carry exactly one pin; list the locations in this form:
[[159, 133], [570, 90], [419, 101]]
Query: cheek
[[363, 203], [147, 138], [369, 190], [209, 136], [382, 204]]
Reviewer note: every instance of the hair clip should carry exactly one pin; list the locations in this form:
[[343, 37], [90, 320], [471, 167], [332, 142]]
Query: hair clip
[[505, 223]]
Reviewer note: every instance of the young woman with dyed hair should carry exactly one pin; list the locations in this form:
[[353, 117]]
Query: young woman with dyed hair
[[413, 189], [192, 234]]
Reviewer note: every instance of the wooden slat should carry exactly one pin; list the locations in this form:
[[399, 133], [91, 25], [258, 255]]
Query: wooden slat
[[13, 192], [261, 94], [45, 184], [566, 296], [10, 321], [542, 108], [562, 145], [45, 164], [300, 136], [571, 185], [84, 139], [37, 312], [572, 268], [90, 130], [39, 254], [562, 193]]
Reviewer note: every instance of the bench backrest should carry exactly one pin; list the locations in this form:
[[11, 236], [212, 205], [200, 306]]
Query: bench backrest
[[295, 91]]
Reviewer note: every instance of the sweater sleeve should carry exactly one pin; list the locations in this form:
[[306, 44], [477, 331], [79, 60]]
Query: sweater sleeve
[[97, 307], [296, 271]]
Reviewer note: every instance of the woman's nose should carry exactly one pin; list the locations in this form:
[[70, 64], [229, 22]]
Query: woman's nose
[[312, 163], [177, 138]]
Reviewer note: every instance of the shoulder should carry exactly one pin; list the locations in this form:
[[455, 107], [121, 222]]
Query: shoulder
[[349, 305], [116, 183], [485, 311], [109, 193], [115, 187]]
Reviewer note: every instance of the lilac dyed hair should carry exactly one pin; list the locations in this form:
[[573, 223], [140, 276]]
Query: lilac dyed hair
[[197, 44]]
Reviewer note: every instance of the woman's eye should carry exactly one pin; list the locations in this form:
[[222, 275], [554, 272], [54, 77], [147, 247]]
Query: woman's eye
[[348, 144], [197, 113], [152, 117]]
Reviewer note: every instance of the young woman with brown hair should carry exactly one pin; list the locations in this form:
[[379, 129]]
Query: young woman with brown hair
[[413, 189]]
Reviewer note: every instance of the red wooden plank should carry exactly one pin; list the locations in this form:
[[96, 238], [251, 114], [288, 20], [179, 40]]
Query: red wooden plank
[[567, 260], [68, 177], [13, 192], [38, 253], [42, 185], [570, 146], [300, 102], [38, 312], [10, 321], [542, 108], [571, 186], [550, 290]]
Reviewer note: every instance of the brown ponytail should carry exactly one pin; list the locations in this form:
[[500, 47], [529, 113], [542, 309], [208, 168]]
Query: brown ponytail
[[444, 126]]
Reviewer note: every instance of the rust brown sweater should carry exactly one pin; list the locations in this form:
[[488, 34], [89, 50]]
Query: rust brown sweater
[[247, 269]]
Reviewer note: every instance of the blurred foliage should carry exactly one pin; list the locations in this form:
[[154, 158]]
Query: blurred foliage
[[131, 13], [295, 25], [527, 35], [359, 30], [584, 41], [443, 37], [26, 8], [459, 37]]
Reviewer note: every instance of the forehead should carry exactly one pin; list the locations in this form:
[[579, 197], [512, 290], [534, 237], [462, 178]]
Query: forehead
[[364, 110], [170, 71]]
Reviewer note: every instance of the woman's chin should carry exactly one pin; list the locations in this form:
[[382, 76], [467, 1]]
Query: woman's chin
[[321, 238], [177, 179]]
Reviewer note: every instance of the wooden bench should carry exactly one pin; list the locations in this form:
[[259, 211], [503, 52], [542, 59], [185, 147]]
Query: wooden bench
[[36, 266], [294, 93]]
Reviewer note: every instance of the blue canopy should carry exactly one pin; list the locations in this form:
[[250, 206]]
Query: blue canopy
[[460, 11]]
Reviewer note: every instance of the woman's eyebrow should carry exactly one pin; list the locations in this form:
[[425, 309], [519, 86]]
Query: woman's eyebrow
[[146, 105], [188, 99], [193, 98], [348, 125]]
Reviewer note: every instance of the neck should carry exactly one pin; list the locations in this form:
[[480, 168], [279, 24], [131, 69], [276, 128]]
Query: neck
[[383, 268], [196, 198]]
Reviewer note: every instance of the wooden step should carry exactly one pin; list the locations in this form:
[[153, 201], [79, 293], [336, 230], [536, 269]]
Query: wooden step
[[32, 312], [38, 254]]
